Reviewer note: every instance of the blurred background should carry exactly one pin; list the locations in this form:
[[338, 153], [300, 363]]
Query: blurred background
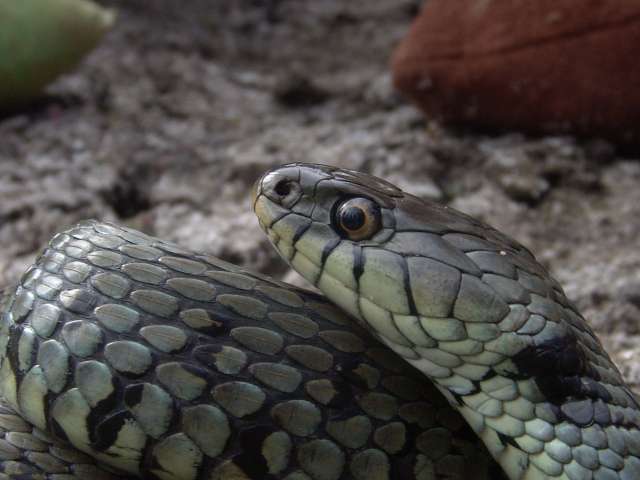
[[166, 124]]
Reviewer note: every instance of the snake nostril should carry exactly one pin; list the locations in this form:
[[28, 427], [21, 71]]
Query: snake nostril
[[282, 188]]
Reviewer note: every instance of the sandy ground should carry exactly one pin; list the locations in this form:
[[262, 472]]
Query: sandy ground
[[168, 123]]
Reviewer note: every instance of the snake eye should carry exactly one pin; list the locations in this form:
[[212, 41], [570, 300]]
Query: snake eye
[[358, 218]]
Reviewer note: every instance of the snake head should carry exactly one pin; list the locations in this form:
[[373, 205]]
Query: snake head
[[439, 287], [375, 250]]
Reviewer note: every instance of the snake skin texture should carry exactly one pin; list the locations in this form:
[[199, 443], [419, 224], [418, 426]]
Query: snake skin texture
[[470, 308], [166, 364], [28, 453]]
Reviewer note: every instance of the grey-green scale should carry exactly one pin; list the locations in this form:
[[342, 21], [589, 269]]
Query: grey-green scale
[[470, 308], [129, 356]]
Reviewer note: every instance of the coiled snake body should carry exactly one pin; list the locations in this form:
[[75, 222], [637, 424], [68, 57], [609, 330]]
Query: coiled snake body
[[163, 363], [167, 364]]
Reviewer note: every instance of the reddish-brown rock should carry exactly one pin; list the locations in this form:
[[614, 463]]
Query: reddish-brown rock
[[538, 66]]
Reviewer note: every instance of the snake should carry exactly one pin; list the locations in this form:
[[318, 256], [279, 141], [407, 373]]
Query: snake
[[470, 308], [439, 349], [125, 356]]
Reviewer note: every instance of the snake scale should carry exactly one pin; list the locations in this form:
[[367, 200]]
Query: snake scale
[[158, 362]]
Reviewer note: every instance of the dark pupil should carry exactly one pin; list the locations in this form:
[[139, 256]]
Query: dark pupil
[[353, 218]]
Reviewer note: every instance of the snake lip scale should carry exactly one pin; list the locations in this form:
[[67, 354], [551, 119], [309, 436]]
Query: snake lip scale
[[469, 307]]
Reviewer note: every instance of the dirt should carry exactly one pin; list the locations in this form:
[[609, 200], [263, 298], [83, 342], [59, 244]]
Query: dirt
[[169, 122]]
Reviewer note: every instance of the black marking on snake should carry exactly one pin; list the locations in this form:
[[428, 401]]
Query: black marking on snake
[[149, 462], [106, 432], [561, 370], [476, 387], [556, 365], [98, 412], [15, 332], [300, 231], [133, 394], [328, 248], [250, 460], [407, 288], [489, 375], [508, 440], [458, 398], [358, 261]]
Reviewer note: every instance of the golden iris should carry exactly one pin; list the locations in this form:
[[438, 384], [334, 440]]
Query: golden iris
[[358, 218]]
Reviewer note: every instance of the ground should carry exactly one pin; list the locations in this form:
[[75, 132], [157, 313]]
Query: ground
[[169, 122]]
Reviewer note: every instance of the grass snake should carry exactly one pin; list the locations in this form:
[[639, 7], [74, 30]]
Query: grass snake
[[168, 364], [469, 307], [163, 363]]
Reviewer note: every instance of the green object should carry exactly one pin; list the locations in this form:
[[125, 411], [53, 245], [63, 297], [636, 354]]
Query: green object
[[41, 39]]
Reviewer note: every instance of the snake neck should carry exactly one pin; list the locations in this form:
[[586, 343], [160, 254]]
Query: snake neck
[[469, 307]]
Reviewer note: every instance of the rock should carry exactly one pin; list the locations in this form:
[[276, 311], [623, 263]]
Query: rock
[[40, 40], [551, 66]]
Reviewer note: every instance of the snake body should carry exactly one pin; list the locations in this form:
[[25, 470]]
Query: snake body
[[159, 362], [470, 308]]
